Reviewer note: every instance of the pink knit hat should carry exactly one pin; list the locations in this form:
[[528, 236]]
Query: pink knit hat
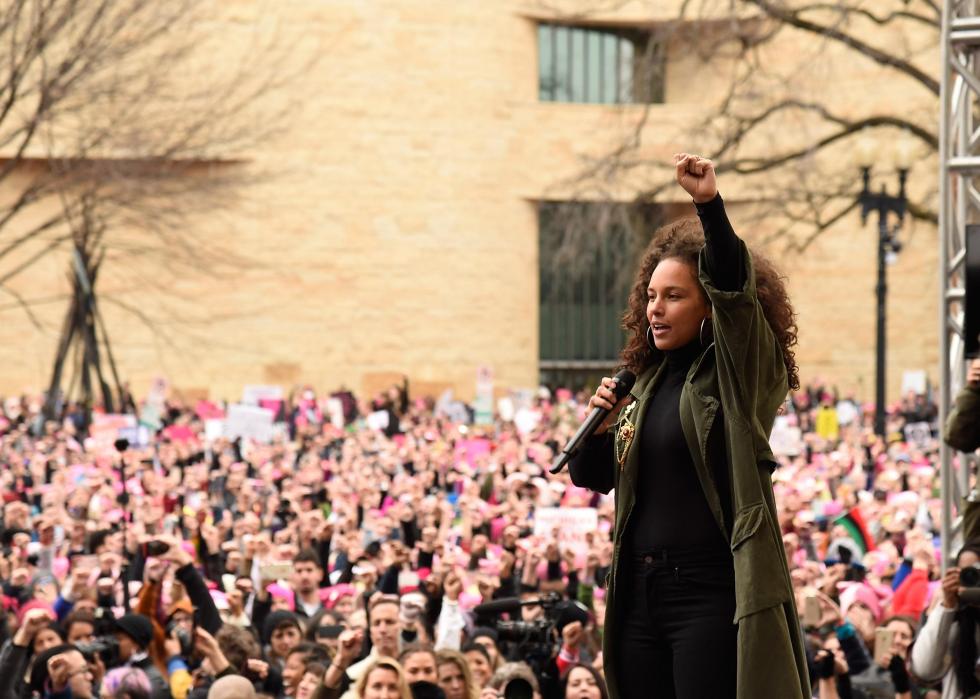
[[282, 592], [332, 595], [34, 604], [870, 596]]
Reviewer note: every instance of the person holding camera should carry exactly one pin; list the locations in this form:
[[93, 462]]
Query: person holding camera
[[134, 633], [963, 423], [947, 644], [700, 601]]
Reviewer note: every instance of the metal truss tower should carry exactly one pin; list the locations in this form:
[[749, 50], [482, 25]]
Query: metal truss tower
[[959, 162]]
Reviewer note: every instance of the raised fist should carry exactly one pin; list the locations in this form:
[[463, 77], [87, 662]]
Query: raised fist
[[697, 176]]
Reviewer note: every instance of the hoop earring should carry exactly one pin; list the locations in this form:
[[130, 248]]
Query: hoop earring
[[701, 332], [650, 338]]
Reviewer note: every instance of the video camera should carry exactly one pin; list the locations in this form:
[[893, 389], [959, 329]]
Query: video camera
[[106, 647]]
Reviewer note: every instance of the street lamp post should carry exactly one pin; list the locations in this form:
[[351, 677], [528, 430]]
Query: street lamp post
[[884, 204]]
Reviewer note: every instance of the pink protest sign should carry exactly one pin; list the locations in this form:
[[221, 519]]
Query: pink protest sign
[[105, 428], [179, 433], [469, 450], [208, 410], [271, 404]]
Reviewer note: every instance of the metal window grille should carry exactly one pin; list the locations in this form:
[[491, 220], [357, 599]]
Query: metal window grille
[[598, 65], [587, 260]]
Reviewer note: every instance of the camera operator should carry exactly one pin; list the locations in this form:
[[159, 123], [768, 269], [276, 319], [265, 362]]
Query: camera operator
[[134, 633], [963, 423], [947, 645]]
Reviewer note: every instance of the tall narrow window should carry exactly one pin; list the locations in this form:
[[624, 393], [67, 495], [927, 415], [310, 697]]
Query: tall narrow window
[[588, 254], [599, 65]]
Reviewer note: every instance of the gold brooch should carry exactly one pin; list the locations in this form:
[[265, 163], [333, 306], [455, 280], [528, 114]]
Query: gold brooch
[[625, 435]]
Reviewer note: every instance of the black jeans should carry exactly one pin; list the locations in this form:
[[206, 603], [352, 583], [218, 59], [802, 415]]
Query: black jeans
[[676, 636]]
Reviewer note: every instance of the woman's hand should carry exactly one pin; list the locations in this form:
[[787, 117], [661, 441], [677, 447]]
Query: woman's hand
[[35, 620], [697, 176], [951, 588], [171, 645], [605, 398], [259, 667], [348, 646], [973, 373]]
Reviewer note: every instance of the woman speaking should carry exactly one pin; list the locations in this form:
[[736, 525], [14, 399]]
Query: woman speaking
[[700, 602]]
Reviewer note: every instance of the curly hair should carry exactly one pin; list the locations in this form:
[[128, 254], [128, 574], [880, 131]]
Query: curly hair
[[683, 239]]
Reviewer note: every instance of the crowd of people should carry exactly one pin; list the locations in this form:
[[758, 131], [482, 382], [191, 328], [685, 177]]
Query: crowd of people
[[340, 560]]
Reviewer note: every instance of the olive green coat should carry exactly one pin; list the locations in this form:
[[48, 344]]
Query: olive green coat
[[963, 423], [742, 373]]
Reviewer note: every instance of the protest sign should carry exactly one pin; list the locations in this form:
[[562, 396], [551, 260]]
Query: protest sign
[[335, 412], [469, 450], [106, 429], [914, 382], [153, 408], [786, 439], [378, 420], [255, 394], [249, 422], [483, 405], [571, 524], [918, 433], [214, 428]]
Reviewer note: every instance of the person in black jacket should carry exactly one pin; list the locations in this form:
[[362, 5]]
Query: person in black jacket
[[16, 653], [681, 460], [134, 632]]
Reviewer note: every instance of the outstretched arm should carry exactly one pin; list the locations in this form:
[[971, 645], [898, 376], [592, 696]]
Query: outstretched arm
[[722, 249]]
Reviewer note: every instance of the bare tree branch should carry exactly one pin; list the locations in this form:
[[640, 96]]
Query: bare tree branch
[[793, 18]]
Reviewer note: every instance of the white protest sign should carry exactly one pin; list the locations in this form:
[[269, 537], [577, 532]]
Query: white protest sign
[[914, 382], [378, 420], [918, 433], [483, 405], [249, 422], [252, 395], [526, 420], [152, 413], [335, 412], [214, 429], [572, 524], [785, 440], [505, 408]]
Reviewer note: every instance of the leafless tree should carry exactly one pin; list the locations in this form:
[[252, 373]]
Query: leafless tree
[[115, 129], [762, 98]]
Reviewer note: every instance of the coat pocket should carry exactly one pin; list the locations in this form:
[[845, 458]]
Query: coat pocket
[[760, 579]]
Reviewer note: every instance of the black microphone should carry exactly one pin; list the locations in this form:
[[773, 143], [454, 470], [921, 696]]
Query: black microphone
[[507, 605], [624, 382]]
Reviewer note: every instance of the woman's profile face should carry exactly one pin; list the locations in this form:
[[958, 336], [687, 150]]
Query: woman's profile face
[[582, 685], [675, 304]]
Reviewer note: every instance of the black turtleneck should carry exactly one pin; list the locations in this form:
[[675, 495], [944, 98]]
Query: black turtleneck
[[671, 511]]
